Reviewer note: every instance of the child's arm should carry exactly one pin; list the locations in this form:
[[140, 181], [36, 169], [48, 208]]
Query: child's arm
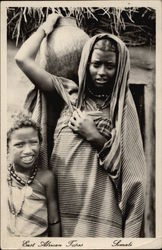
[[25, 58], [53, 214]]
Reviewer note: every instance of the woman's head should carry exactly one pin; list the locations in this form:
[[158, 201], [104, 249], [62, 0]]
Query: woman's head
[[115, 76], [103, 64], [23, 141]]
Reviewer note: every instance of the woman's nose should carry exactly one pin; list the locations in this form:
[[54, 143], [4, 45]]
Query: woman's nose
[[101, 70]]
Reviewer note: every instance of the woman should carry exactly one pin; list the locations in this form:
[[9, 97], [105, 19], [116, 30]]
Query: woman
[[98, 155]]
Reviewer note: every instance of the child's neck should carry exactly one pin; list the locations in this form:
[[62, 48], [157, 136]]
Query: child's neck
[[23, 171]]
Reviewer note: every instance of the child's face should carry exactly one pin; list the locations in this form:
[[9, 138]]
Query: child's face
[[24, 147]]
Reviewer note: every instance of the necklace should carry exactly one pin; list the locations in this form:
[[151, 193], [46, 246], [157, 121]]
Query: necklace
[[97, 95], [15, 210], [25, 191], [104, 105], [19, 179]]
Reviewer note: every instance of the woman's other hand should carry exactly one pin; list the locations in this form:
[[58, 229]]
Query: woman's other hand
[[83, 124], [50, 22]]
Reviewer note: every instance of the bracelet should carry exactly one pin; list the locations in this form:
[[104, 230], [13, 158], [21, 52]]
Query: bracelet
[[54, 223]]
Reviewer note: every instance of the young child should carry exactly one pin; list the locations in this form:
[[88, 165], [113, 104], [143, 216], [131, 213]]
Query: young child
[[32, 200]]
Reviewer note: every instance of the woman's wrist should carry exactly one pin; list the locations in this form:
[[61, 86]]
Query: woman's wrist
[[41, 30], [97, 140]]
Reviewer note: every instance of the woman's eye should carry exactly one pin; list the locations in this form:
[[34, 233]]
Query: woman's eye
[[110, 66], [95, 65]]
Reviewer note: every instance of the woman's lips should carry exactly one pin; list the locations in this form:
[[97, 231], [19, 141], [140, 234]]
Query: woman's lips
[[101, 81]]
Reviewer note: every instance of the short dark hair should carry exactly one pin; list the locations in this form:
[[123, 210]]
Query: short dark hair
[[23, 119]]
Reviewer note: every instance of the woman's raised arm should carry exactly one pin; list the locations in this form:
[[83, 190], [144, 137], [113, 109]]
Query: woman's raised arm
[[25, 58]]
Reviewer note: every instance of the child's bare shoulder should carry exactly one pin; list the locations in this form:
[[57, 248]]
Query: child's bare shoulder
[[45, 176]]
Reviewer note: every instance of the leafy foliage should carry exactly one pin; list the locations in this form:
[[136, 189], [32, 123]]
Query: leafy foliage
[[136, 26]]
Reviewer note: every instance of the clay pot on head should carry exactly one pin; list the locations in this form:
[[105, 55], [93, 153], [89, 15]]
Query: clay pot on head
[[60, 52]]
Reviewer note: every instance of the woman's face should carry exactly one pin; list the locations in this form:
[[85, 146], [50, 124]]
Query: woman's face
[[102, 68]]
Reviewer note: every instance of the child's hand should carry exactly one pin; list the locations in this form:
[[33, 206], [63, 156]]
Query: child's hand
[[49, 24], [83, 124]]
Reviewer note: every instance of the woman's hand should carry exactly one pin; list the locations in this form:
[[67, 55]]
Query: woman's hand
[[49, 24], [25, 57], [83, 124]]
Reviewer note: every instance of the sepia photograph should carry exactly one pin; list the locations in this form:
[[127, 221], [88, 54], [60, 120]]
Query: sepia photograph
[[81, 125]]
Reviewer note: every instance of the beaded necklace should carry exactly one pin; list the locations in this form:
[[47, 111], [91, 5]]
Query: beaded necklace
[[106, 102], [25, 191], [19, 179], [104, 105], [97, 95]]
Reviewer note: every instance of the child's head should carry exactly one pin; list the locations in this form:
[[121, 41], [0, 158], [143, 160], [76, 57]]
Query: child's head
[[23, 141]]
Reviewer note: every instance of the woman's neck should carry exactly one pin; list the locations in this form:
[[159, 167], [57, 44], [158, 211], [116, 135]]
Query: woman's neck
[[99, 92]]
